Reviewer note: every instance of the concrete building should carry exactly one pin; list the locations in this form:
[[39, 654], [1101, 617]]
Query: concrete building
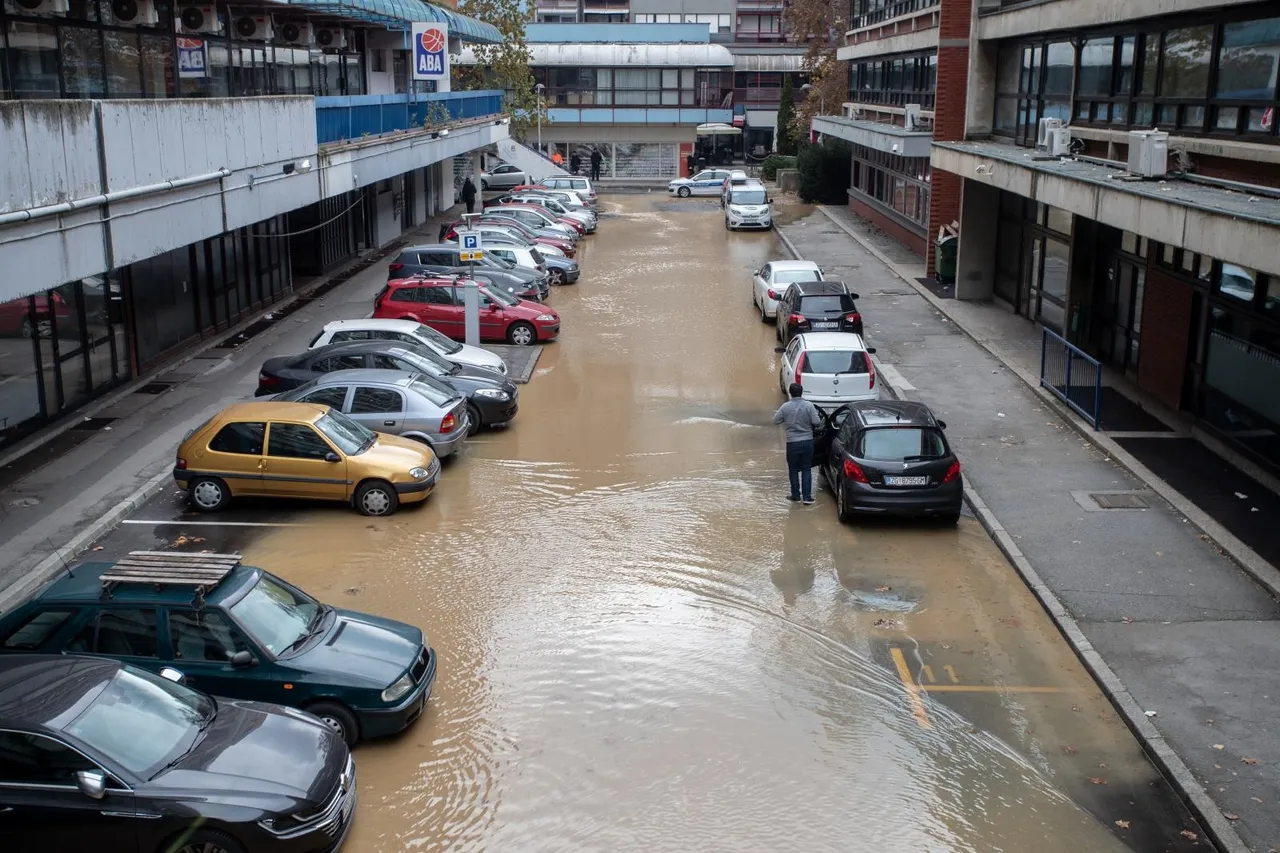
[[170, 169], [1154, 254]]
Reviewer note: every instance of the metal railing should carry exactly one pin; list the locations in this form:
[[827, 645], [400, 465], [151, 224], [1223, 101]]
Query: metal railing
[[356, 116], [1072, 376], [868, 12]]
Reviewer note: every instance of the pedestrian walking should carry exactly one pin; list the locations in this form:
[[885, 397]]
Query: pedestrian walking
[[469, 194], [595, 164], [800, 418], [575, 163], [557, 157]]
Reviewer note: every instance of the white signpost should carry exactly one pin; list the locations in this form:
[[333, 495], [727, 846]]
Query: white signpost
[[470, 250], [431, 54]]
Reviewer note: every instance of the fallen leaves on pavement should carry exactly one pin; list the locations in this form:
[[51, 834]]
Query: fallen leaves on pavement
[[1248, 761], [1123, 824], [1189, 835]]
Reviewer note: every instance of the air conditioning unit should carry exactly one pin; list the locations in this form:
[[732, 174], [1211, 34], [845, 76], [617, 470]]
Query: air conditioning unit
[[295, 32], [1047, 127], [198, 19], [330, 37], [135, 12], [911, 120], [1060, 142], [43, 7], [1148, 153], [253, 27], [848, 109]]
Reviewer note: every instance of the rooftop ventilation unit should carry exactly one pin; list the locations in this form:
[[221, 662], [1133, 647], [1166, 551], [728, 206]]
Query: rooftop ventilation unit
[[1060, 141], [42, 7], [1046, 129], [254, 27], [198, 19], [1148, 153], [911, 117], [296, 33], [331, 38]]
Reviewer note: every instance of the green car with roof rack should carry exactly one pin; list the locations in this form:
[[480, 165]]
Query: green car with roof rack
[[236, 631]]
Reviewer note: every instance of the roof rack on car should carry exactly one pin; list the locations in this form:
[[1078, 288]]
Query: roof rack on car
[[201, 572]]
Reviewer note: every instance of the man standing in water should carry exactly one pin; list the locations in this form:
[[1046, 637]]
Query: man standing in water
[[800, 418]]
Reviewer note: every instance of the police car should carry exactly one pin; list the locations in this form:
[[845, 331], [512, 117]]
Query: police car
[[706, 182]]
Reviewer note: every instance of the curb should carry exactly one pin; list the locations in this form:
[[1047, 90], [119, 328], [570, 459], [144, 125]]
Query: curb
[[1166, 760]]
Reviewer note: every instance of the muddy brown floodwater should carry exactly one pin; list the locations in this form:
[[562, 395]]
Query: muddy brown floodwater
[[644, 647]]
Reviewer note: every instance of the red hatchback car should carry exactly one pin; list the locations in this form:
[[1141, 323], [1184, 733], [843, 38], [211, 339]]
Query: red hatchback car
[[437, 302]]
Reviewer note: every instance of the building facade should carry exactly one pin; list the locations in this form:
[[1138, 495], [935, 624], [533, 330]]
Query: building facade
[[171, 169]]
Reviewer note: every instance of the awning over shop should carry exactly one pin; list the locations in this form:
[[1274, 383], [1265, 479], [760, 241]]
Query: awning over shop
[[402, 14]]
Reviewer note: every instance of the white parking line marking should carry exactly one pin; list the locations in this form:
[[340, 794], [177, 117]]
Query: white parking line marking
[[215, 523]]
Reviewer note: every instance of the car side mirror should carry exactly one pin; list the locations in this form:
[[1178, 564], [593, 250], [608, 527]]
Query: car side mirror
[[779, 349], [768, 200], [757, 272], [854, 296], [773, 294], [332, 457], [174, 675], [92, 783], [942, 424], [243, 659], [871, 350]]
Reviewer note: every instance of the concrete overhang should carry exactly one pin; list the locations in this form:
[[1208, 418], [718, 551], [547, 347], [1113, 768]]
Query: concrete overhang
[[1042, 16], [906, 42], [879, 136], [1230, 226]]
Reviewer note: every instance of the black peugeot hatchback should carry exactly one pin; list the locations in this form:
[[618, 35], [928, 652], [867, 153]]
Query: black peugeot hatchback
[[817, 306], [890, 457], [98, 755]]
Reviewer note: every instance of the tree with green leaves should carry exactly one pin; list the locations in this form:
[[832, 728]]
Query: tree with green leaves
[[504, 65], [785, 141]]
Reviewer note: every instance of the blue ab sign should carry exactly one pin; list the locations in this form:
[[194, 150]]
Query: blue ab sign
[[431, 54]]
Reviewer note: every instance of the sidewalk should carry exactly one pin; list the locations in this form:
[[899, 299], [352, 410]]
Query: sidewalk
[[1167, 623], [67, 484]]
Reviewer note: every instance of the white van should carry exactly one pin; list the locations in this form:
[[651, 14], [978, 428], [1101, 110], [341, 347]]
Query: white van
[[748, 207]]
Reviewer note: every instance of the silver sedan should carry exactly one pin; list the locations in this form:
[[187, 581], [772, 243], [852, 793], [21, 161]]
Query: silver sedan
[[412, 405]]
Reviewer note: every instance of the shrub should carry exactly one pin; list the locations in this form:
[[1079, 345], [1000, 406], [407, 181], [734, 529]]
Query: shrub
[[771, 164], [824, 171]]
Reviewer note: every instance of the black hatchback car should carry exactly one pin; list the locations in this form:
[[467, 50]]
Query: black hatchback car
[[492, 399], [98, 755], [889, 457], [817, 306]]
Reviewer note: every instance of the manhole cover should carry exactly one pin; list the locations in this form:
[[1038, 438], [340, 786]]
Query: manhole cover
[[1119, 500], [21, 502]]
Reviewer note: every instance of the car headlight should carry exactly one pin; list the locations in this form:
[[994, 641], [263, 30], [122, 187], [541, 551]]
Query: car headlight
[[401, 687], [493, 394], [418, 473], [548, 318]]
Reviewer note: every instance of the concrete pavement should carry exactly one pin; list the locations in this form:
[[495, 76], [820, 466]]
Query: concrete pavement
[[1148, 596]]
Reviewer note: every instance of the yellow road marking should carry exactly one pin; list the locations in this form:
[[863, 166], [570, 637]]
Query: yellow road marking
[[913, 690], [984, 688]]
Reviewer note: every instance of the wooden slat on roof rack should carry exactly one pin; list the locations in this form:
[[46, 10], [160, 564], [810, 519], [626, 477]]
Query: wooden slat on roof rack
[[170, 568]]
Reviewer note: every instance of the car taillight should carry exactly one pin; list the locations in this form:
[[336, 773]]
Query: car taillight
[[797, 320], [180, 464], [854, 319], [953, 473], [853, 471], [394, 267], [798, 365], [871, 371], [266, 380], [448, 423], [773, 294]]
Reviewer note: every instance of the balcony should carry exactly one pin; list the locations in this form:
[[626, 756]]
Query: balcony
[[868, 13], [358, 117], [639, 115]]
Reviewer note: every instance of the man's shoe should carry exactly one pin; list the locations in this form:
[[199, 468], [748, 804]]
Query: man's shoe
[[793, 498], [809, 501]]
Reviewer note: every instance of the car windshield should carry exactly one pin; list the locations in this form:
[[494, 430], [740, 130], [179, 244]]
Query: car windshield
[[792, 276], [276, 614], [437, 340], [500, 296], [141, 721], [894, 444], [351, 438], [833, 304], [747, 197], [834, 361], [497, 262], [426, 360]]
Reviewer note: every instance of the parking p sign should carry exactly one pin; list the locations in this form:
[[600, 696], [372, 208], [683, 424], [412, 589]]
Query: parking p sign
[[470, 247], [431, 54]]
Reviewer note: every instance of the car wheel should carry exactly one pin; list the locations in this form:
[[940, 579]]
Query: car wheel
[[27, 329], [338, 718], [484, 185], [208, 494], [844, 512], [376, 498], [777, 333], [203, 841], [521, 334], [683, 192], [764, 318], [473, 415], [557, 276]]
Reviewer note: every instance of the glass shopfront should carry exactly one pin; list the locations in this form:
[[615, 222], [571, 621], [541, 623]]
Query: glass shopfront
[[1033, 255]]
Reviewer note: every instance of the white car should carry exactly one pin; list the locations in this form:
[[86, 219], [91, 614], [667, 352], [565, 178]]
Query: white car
[[736, 178], [706, 182], [834, 367], [521, 256], [585, 217], [409, 332], [573, 183], [748, 207], [498, 235], [503, 177], [772, 280]]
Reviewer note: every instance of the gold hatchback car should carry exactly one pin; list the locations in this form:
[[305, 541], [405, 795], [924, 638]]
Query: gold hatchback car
[[300, 450]]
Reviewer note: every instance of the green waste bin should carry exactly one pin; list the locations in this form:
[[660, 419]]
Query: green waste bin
[[944, 259]]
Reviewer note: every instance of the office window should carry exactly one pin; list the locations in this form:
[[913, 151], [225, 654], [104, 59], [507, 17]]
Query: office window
[[1248, 64], [895, 82]]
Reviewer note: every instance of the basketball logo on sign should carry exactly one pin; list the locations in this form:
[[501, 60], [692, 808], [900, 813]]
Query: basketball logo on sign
[[430, 52], [433, 41]]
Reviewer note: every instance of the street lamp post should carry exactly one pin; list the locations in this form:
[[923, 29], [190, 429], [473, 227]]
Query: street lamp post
[[538, 88]]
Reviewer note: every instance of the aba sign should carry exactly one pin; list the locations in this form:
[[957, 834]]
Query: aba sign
[[431, 53]]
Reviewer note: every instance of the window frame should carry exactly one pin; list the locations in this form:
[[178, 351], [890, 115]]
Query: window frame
[[266, 449]]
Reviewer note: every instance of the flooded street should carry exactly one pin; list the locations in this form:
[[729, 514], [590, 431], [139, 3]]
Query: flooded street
[[645, 647]]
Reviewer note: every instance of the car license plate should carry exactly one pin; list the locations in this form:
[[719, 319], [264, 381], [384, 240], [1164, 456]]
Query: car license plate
[[825, 325], [906, 481]]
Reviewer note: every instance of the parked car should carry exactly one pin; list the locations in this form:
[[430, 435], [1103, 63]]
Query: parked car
[[817, 306], [236, 631], [571, 200], [433, 260], [508, 233], [508, 280], [518, 256], [586, 217], [748, 207], [770, 281], [297, 450], [538, 229], [396, 401], [736, 178], [706, 182], [571, 222], [890, 458], [490, 399], [562, 270], [834, 367], [439, 304], [502, 177], [409, 332], [102, 755], [581, 186]]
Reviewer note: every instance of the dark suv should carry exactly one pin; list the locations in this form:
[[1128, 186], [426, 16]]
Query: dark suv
[[443, 257], [817, 306]]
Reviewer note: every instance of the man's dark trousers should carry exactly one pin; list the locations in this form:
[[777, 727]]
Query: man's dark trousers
[[800, 468]]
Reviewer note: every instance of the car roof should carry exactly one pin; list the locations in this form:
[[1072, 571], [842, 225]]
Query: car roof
[[431, 247], [361, 346], [373, 323], [794, 265], [449, 277], [84, 584], [37, 689], [271, 410], [893, 413], [381, 376], [819, 288], [832, 341]]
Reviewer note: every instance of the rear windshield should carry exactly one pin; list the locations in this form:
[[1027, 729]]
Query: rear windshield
[[896, 444], [578, 183], [433, 389], [834, 361], [791, 276], [831, 304], [536, 255]]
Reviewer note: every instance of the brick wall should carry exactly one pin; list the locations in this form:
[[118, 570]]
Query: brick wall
[[887, 224], [949, 114], [1166, 329]]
